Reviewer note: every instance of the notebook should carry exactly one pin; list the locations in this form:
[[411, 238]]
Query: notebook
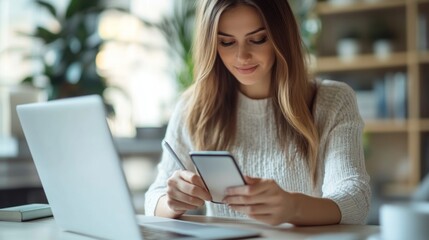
[[82, 175]]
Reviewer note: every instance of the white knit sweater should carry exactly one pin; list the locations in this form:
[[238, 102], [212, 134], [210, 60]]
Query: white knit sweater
[[341, 168]]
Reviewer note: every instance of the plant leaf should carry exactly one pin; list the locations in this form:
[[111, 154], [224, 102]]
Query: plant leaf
[[46, 35], [79, 6], [48, 6], [28, 80]]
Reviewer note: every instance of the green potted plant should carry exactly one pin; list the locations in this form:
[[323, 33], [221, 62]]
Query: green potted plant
[[177, 29], [68, 54], [308, 22]]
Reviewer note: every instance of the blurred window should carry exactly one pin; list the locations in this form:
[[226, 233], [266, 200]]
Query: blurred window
[[134, 59]]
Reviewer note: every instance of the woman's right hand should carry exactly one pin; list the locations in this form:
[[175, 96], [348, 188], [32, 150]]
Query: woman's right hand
[[185, 191]]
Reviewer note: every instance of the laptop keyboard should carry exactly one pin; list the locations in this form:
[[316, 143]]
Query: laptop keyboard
[[151, 233]]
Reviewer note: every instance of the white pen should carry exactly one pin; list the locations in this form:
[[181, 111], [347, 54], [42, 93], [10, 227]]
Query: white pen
[[168, 147]]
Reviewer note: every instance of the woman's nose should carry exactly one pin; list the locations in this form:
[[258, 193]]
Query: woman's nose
[[243, 54]]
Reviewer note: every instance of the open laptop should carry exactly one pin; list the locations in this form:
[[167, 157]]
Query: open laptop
[[82, 176]]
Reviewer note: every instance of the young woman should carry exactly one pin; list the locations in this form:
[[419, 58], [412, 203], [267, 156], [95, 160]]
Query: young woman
[[297, 140]]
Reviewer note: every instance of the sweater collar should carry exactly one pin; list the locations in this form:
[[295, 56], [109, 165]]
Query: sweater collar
[[252, 106]]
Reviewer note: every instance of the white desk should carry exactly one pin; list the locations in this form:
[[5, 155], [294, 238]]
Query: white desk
[[46, 229]]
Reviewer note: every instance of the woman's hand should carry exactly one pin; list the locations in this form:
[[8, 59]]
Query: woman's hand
[[263, 200], [185, 191]]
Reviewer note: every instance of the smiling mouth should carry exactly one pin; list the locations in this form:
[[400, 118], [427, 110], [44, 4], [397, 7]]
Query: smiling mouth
[[247, 69]]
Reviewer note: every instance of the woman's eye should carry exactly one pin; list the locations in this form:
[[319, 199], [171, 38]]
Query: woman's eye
[[226, 44], [259, 41]]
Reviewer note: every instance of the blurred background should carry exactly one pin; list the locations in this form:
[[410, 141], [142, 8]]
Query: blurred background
[[136, 55]]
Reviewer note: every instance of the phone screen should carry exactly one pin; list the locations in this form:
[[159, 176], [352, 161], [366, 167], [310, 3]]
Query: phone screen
[[219, 171]]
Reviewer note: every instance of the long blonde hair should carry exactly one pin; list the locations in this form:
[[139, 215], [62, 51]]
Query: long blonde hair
[[212, 110]]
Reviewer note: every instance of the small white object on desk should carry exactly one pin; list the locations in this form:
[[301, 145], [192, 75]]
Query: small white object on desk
[[405, 221], [25, 212]]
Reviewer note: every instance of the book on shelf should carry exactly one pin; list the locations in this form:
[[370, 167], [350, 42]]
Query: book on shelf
[[399, 93], [387, 99], [380, 92], [366, 100], [25, 212], [391, 95], [423, 33]]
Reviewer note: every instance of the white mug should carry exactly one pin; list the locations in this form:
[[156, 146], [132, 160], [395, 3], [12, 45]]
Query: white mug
[[382, 48], [400, 221], [348, 48]]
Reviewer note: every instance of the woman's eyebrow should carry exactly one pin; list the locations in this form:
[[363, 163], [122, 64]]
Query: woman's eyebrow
[[250, 33]]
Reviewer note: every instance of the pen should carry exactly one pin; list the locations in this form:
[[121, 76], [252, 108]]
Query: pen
[[168, 147]]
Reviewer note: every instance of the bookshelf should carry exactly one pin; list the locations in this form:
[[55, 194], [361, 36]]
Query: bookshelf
[[397, 142]]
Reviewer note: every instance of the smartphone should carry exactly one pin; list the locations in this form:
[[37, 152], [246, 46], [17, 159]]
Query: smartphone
[[219, 170]]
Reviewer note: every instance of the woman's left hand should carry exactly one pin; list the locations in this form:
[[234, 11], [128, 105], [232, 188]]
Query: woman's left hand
[[263, 200]]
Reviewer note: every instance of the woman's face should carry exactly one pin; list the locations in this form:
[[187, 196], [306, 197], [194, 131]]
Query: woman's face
[[245, 49]]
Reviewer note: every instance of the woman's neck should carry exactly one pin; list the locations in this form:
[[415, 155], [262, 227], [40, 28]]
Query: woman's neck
[[255, 92]]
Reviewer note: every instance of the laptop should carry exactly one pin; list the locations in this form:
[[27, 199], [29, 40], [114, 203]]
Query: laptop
[[82, 175]]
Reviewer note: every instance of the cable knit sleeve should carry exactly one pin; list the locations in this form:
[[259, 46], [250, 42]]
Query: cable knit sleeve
[[345, 179], [177, 137]]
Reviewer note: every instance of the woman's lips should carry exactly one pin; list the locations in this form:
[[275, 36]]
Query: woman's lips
[[246, 69]]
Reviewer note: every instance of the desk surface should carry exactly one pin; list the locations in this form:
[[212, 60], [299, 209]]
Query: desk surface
[[47, 229]]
